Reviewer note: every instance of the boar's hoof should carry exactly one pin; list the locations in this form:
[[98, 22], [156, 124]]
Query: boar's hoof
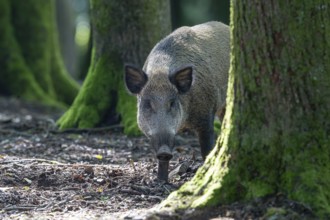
[[163, 170], [164, 153]]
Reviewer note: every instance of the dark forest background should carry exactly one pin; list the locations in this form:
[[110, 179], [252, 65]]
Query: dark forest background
[[75, 30]]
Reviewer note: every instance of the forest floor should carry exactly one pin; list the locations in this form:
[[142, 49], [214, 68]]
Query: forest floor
[[98, 173]]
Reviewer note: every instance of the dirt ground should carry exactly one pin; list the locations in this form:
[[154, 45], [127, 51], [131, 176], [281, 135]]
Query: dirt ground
[[99, 173]]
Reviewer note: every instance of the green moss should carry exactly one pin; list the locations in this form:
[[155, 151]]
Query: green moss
[[275, 136], [103, 20], [33, 34], [217, 127], [206, 186], [26, 55], [146, 16], [275, 213], [127, 108], [94, 98], [114, 24], [16, 77]]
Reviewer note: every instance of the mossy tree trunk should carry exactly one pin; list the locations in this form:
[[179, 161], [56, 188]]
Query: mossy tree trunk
[[276, 131], [30, 63], [123, 32]]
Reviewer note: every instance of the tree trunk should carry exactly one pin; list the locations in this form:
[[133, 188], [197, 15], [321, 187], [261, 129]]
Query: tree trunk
[[276, 131], [65, 20], [30, 61], [123, 31]]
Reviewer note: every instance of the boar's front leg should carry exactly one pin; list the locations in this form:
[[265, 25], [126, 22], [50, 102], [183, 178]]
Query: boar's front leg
[[205, 132]]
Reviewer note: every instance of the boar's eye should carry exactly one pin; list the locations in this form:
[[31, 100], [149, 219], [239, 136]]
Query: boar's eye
[[147, 105], [172, 103]]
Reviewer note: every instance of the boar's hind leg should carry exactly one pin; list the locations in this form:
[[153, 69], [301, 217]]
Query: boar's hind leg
[[205, 133]]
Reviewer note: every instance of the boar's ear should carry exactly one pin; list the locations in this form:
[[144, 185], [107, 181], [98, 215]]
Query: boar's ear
[[135, 79], [182, 79]]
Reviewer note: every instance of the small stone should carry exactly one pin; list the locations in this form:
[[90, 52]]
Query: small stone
[[28, 117], [28, 180], [100, 181], [89, 170]]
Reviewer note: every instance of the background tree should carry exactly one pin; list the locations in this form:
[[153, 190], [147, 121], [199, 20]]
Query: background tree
[[123, 31], [31, 66], [192, 12], [276, 131], [65, 19]]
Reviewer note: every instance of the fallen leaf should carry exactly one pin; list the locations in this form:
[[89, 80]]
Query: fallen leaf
[[98, 156]]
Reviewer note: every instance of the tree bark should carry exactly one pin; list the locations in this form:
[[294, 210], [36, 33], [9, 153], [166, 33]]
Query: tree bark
[[30, 61], [276, 131], [123, 31]]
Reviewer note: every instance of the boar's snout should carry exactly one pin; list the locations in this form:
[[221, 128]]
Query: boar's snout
[[163, 143], [164, 153]]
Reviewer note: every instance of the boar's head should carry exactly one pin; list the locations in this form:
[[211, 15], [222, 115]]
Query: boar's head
[[161, 113]]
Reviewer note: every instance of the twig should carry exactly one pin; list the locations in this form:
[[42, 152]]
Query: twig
[[166, 189], [130, 191], [70, 188], [10, 131], [132, 164], [22, 208], [32, 159], [45, 207], [111, 191], [83, 130], [141, 188], [156, 197], [63, 202], [56, 163]]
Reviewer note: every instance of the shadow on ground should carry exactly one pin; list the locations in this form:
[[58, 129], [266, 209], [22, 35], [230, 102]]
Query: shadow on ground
[[100, 173]]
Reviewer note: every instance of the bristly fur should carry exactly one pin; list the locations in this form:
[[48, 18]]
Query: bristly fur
[[183, 84]]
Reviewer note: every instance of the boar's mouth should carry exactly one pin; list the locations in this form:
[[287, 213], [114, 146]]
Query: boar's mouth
[[163, 144], [164, 153]]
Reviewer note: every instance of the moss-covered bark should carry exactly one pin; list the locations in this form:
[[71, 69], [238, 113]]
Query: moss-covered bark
[[276, 131], [30, 65], [123, 31]]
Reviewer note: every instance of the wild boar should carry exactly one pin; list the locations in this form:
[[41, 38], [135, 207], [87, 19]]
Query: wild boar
[[183, 84]]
